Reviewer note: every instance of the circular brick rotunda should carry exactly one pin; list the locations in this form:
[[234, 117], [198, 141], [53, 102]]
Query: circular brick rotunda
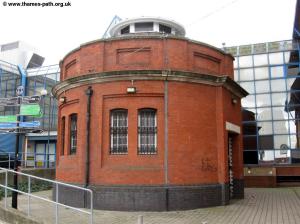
[[149, 120]]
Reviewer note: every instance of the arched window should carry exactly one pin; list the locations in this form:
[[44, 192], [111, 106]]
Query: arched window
[[73, 133], [118, 131], [147, 131]]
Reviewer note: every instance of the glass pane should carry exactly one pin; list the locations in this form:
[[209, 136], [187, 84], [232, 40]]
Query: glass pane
[[144, 26], [292, 70], [245, 49], [250, 157], [279, 99], [266, 156], [250, 143], [246, 74], [245, 61], [293, 141], [261, 73], [290, 122], [248, 101], [235, 63], [281, 127], [260, 59], [278, 85], [280, 140], [264, 114], [259, 48], [287, 56], [277, 71], [248, 86], [292, 83], [266, 128], [263, 100], [279, 113], [276, 58], [282, 156], [236, 75], [295, 156], [262, 86]]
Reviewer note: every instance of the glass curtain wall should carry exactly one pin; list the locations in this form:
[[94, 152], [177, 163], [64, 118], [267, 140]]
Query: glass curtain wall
[[37, 79], [268, 71]]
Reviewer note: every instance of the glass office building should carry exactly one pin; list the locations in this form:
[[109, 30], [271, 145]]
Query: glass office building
[[38, 149], [269, 72]]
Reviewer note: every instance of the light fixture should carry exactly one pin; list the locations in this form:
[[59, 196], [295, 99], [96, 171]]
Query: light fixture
[[43, 92], [249, 171], [234, 100], [131, 89], [62, 99]]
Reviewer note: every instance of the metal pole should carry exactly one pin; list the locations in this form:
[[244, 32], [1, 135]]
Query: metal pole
[[9, 160], [56, 204], [14, 202], [92, 208], [48, 146], [29, 192], [5, 202], [89, 93], [140, 219]]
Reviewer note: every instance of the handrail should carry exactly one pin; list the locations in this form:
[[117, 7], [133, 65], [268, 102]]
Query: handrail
[[56, 202]]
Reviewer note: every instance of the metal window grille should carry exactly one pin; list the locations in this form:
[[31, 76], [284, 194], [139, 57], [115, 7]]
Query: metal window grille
[[147, 131], [73, 133], [118, 132]]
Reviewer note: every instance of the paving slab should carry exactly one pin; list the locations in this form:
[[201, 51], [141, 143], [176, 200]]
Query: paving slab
[[260, 206]]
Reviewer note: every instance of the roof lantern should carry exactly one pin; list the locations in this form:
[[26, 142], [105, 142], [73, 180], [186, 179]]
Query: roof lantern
[[147, 25]]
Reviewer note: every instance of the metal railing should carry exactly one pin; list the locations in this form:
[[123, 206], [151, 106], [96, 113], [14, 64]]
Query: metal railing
[[56, 203], [259, 48], [28, 160]]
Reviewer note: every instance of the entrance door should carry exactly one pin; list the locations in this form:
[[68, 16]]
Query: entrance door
[[230, 165]]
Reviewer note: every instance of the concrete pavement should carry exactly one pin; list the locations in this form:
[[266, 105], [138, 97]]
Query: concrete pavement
[[261, 205]]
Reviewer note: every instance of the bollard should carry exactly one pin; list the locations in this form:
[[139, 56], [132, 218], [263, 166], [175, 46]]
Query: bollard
[[140, 219]]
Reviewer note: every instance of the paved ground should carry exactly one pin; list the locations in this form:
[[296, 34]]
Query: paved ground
[[261, 205]]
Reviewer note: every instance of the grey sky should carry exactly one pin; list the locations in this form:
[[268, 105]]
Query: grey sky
[[55, 31]]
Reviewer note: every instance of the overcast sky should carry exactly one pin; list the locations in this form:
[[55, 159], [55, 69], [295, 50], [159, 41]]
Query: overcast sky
[[55, 31]]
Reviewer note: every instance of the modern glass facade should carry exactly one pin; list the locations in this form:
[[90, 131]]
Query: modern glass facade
[[37, 79], [269, 72]]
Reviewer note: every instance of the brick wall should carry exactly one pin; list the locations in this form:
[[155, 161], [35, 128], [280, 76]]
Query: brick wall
[[146, 53], [196, 139]]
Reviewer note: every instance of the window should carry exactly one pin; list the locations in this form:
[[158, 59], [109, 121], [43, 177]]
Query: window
[[63, 122], [143, 27], [125, 30], [118, 131], [73, 133], [147, 131], [164, 29]]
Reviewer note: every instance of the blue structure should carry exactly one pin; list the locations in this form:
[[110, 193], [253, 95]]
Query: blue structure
[[33, 80]]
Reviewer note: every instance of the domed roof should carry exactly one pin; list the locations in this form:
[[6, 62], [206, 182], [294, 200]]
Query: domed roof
[[147, 24]]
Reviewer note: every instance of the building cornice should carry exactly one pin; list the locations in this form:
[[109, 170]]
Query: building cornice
[[149, 75]]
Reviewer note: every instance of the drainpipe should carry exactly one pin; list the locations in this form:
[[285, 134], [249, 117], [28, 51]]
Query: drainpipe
[[89, 93]]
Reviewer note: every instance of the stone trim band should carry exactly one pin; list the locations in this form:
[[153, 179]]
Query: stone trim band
[[149, 75]]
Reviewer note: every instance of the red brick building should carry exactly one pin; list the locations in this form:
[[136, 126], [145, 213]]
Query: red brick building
[[150, 120]]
